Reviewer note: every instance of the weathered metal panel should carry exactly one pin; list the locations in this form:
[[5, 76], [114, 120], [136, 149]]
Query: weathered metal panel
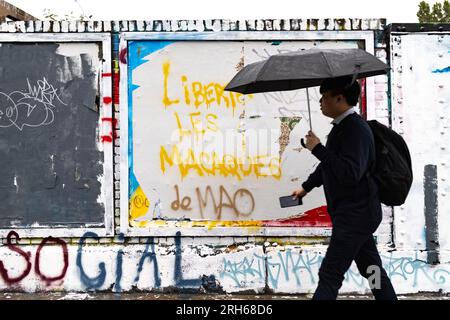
[[420, 113]]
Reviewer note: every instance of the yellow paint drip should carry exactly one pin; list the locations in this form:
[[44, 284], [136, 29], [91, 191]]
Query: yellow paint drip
[[250, 226], [214, 224], [160, 223], [140, 224]]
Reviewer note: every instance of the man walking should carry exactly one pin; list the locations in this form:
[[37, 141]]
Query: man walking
[[351, 195]]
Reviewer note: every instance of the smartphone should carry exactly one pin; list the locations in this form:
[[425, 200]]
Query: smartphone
[[288, 201]]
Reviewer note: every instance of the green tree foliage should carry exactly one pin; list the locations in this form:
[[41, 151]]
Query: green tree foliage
[[446, 9], [424, 13], [438, 13]]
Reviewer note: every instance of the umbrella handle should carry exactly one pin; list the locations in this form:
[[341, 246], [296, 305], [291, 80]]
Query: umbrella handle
[[302, 142]]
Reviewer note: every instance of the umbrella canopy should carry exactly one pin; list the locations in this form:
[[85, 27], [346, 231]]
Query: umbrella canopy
[[304, 69]]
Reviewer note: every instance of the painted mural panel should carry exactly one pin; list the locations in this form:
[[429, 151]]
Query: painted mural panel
[[51, 162], [199, 153], [420, 112]]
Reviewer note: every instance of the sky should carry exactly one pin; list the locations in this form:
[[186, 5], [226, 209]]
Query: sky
[[398, 11]]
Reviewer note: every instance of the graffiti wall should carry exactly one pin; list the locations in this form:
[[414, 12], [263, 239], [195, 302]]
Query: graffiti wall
[[178, 264], [127, 166], [215, 158]]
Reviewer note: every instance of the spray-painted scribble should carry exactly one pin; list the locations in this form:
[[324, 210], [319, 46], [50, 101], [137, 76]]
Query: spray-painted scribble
[[25, 255], [151, 256], [32, 107], [443, 70], [48, 279], [123, 267], [302, 266], [178, 272], [11, 239], [264, 54], [110, 134], [90, 282], [240, 203]]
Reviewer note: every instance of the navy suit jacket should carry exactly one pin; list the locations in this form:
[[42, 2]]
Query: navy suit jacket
[[351, 195]]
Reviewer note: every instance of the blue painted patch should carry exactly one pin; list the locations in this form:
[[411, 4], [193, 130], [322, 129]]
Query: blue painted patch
[[133, 184], [445, 70], [138, 52]]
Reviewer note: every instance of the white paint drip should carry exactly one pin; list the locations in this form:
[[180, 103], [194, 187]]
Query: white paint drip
[[53, 163], [101, 197], [15, 184]]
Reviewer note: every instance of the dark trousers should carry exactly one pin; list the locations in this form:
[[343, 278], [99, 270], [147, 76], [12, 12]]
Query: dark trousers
[[346, 246]]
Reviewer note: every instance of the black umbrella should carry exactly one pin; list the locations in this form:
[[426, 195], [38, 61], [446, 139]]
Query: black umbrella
[[304, 69]]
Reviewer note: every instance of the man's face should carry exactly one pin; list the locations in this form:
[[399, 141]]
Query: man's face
[[329, 104]]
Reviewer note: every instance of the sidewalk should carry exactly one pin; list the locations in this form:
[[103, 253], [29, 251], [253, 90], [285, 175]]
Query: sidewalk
[[154, 296]]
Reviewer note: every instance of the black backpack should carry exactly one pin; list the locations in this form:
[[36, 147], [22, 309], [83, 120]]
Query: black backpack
[[393, 170]]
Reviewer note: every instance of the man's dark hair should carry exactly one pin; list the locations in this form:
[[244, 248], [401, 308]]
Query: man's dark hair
[[344, 86]]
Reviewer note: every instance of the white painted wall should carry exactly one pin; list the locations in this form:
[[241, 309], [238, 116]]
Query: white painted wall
[[231, 269], [420, 113]]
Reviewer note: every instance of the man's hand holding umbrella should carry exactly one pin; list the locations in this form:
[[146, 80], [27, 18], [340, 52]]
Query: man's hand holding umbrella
[[311, 140]]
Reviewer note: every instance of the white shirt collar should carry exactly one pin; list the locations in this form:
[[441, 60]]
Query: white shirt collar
[[338, 120]]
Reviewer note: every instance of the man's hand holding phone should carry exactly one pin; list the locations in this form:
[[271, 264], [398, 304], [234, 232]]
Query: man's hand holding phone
[[299, 193], [295, 199]]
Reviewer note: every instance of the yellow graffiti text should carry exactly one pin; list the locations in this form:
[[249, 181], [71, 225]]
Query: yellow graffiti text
[[196, 125], [210, 164], [199, 94], [166, 100]]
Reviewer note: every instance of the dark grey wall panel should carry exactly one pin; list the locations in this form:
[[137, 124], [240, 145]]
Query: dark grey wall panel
[[49, 158]]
